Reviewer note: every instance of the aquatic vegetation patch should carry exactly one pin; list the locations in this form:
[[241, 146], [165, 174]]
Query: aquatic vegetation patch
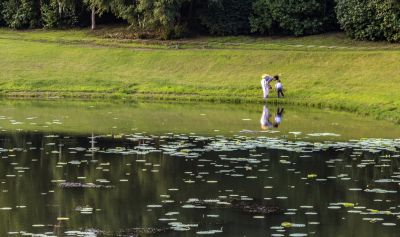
[[198, 185], [69, 185]]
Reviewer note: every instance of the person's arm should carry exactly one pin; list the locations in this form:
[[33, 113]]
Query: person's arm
[[269, 82], [269, 79]]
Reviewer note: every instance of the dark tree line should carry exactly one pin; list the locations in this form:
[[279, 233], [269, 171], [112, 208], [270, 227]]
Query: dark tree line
[[360, 19]]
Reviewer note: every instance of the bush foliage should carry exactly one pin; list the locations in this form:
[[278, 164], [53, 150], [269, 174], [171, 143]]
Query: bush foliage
[[55, 15], [227, 17], [293, 17], [370, 19], [360, 19], [20, 14]]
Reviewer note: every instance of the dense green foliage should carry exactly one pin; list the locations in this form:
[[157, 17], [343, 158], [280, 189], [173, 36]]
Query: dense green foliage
[[299, 17], [370, 19], [227, 17], [21, 13], [1, 15], [61, 14], [164, 15], [361, 19]]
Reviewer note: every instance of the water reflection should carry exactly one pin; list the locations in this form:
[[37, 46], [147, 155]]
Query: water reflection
[[265, 119], [266, 116], [278, 117], [200, 118]]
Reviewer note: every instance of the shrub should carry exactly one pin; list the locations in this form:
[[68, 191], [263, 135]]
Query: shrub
[[2, 23], [370, 19], [227, 17], [293, 17], [20, 14], [55, 15]]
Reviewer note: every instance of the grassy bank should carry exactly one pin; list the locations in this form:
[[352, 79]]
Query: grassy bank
[[325, 71]]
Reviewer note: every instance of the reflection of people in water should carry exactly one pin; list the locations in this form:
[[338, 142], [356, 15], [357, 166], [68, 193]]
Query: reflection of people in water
[[278, 117], [266, 115]]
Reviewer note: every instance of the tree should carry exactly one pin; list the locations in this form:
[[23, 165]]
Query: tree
[[2, 23], [60, 13], [370, 19], [293, 17], [164, 16], [97, 7], [20, 14], [226, 17]]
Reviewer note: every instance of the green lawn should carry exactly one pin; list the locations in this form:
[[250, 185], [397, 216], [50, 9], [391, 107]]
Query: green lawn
[[325, 71]]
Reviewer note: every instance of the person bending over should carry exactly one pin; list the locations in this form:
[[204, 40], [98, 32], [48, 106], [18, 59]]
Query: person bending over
[[266, 83]]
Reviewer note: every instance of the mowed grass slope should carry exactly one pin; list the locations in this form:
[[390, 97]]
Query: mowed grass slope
[[360, 77]]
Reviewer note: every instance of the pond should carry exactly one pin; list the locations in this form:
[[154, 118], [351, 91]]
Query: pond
[[73, 168]]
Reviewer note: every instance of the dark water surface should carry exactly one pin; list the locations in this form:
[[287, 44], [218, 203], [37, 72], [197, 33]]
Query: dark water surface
[[87, 169]]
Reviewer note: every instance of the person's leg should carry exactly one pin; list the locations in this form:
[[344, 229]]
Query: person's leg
[[281, 92], [266, 92]]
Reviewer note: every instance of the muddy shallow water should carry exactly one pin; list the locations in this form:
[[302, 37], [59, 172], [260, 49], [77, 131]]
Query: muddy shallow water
[[100, 169]]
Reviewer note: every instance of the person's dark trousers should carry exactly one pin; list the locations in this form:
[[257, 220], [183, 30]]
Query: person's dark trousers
[[280, 94]]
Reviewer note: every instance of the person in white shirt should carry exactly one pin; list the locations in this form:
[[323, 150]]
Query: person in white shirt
[[266, 83], [279, 89]]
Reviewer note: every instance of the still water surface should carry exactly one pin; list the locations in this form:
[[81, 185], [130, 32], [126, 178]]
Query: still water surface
[[147, 169]]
